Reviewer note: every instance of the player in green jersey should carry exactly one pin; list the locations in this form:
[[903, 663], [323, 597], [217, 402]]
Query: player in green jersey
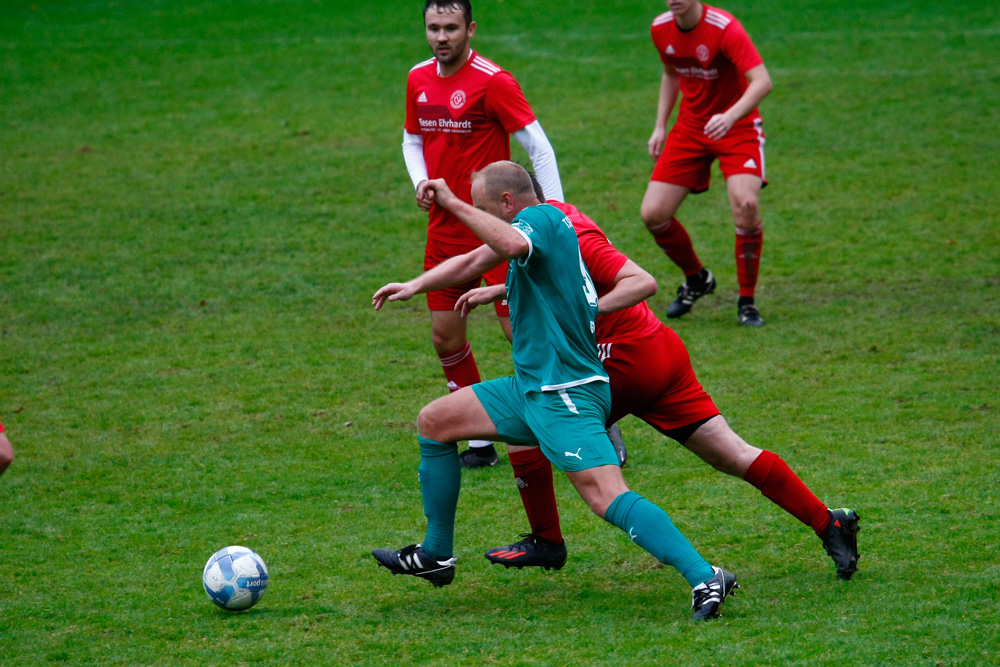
[[558, 398]]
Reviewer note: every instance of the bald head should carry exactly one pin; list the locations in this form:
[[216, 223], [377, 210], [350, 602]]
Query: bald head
[[490, 183]]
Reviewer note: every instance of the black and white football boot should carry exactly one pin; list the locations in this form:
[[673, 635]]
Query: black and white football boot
[[749, 316], [414, 560], [687, 294], [707, 597]]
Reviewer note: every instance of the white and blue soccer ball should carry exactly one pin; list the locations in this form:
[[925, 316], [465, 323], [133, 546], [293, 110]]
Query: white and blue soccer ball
[[235, 578]]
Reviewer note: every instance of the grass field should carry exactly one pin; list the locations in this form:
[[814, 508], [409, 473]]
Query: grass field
[[197, 200]]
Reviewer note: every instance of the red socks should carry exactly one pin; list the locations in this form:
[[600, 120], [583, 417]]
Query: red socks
[[460, 368], [673, 239], [534, 481], [778, 483], [748, 246]]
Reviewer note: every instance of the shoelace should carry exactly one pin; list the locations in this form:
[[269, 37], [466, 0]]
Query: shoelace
[[701, 596]]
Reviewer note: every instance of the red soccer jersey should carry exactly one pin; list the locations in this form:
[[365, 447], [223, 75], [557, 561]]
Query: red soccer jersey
[[466, 120], [711, 59], [604, 262]]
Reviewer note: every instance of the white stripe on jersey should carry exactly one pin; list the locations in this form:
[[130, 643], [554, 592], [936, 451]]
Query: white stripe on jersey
[[575, 383], [485, 66], [603, 351], [523, 261], [423, 64], [663, 18], [717, 19]]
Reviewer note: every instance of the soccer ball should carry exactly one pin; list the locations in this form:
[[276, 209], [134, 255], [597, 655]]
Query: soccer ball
[[235, 578]]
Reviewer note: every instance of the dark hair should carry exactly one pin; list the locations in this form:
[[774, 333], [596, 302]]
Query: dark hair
[[539, 195], [464, 5]]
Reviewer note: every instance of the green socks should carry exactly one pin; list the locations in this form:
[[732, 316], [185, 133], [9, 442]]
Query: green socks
[[440, 480], [652, 529]]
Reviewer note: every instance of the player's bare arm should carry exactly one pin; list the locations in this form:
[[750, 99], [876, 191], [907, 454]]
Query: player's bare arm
[[452, 271], [670, 87], [494, 232], [424, 205], [632, 285], [758, 87], [480, 297]]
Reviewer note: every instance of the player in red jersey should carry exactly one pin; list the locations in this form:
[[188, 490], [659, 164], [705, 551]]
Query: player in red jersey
[[709, 61], [461, 110], [6, 451], [652, 378]]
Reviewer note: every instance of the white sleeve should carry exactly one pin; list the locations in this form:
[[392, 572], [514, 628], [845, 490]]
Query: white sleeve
[[543, 158], [413, 155]]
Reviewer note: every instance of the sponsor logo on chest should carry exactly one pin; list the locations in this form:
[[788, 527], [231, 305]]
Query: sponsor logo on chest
[[445, 124], [438, 119]]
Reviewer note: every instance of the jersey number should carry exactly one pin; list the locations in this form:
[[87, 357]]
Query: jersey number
[[588, 284]]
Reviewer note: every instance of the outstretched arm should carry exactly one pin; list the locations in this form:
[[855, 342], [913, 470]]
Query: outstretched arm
[[452, 271], [478, 297]]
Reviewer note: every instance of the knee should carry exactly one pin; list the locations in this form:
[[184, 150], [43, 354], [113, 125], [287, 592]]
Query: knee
[[653, 215], [430, 423], [447, 342], [746, 211]]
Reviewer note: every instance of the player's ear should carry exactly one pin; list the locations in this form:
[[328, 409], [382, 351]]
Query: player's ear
[[472, 29], [506, 203]]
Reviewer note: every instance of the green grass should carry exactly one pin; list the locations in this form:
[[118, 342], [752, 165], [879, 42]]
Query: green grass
[[197, 200]]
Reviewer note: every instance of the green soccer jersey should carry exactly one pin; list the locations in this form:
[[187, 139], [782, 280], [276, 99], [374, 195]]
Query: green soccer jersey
[[553, 305]]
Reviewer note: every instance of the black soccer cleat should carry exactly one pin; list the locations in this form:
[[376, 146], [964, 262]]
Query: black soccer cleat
[[615, 436], [479, 457], [414, 560], [840, 539], [707, 597], [687, 295], [532, 551], [749, 316]]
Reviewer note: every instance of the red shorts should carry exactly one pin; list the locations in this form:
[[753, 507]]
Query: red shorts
[[435, 253], [687, 156], [652, 378]]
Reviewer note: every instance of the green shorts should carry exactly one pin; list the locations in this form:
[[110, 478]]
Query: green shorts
[[568, 424]]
